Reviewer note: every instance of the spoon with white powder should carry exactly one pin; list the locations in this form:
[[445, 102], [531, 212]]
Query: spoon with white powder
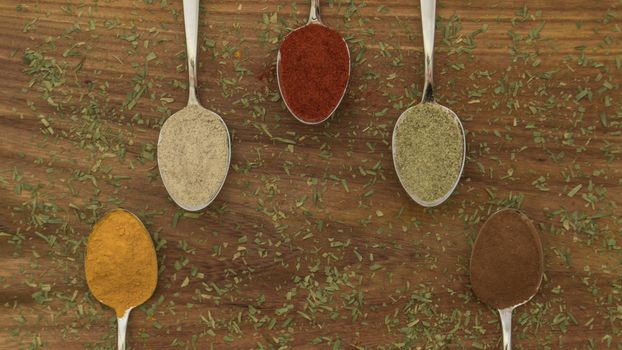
[[194, 148]]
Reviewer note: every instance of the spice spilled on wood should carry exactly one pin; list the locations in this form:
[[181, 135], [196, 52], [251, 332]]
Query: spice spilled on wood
[[429, 151], [507, 261], [313, 72], [120, 263], [193, 156]]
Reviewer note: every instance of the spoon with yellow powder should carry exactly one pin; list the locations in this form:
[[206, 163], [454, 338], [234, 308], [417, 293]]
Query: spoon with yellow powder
[[120, 265]]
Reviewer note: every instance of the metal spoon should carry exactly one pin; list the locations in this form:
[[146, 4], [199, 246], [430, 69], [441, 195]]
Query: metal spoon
[[428, 21], [123, 320], [314, 18], [191, 22], [506, 313], [506, 325], [122, 329]]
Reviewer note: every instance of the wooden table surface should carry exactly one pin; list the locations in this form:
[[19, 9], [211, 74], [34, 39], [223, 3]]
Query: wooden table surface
[[312, 244]]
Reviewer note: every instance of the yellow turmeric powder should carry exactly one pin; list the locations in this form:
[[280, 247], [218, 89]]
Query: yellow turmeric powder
[[120, 265]]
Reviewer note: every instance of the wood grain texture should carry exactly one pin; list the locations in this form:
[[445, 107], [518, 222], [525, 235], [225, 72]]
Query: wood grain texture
[[289, 257]]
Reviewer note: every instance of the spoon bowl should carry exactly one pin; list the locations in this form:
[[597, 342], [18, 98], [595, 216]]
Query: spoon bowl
[[507, 265], [180, 136], [428, 19], [186, 122], [314, 19], [106, 272], [440, 200]]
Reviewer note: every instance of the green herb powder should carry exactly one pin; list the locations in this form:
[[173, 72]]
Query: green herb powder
[[429, 151]]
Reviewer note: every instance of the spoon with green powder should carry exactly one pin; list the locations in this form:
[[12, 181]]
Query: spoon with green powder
[[194, 147], [429, 143]]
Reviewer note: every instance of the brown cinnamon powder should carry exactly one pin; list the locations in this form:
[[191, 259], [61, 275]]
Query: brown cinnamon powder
[[507, 260]]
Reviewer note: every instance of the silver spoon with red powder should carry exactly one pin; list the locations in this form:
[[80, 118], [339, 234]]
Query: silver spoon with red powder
[[313, 70]]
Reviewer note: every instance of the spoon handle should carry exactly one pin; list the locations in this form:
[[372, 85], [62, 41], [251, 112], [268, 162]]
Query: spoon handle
[[314, 12], [428, 22], [191, 22], [506, 325], [122, 327]]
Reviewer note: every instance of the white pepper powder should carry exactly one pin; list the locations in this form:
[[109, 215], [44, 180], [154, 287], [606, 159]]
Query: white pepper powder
[[193, 156]]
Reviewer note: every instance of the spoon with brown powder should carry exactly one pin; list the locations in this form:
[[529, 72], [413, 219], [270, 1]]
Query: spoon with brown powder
[[194, 147], [120, 265], [507, 265]]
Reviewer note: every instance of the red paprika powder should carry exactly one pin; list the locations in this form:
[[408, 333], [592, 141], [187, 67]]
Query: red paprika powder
[[313, 72]]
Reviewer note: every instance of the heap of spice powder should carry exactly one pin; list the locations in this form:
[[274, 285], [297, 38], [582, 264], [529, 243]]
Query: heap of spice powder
[[193, 156], [313, 72], [120, 263], [429, 151], [507, 260]]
